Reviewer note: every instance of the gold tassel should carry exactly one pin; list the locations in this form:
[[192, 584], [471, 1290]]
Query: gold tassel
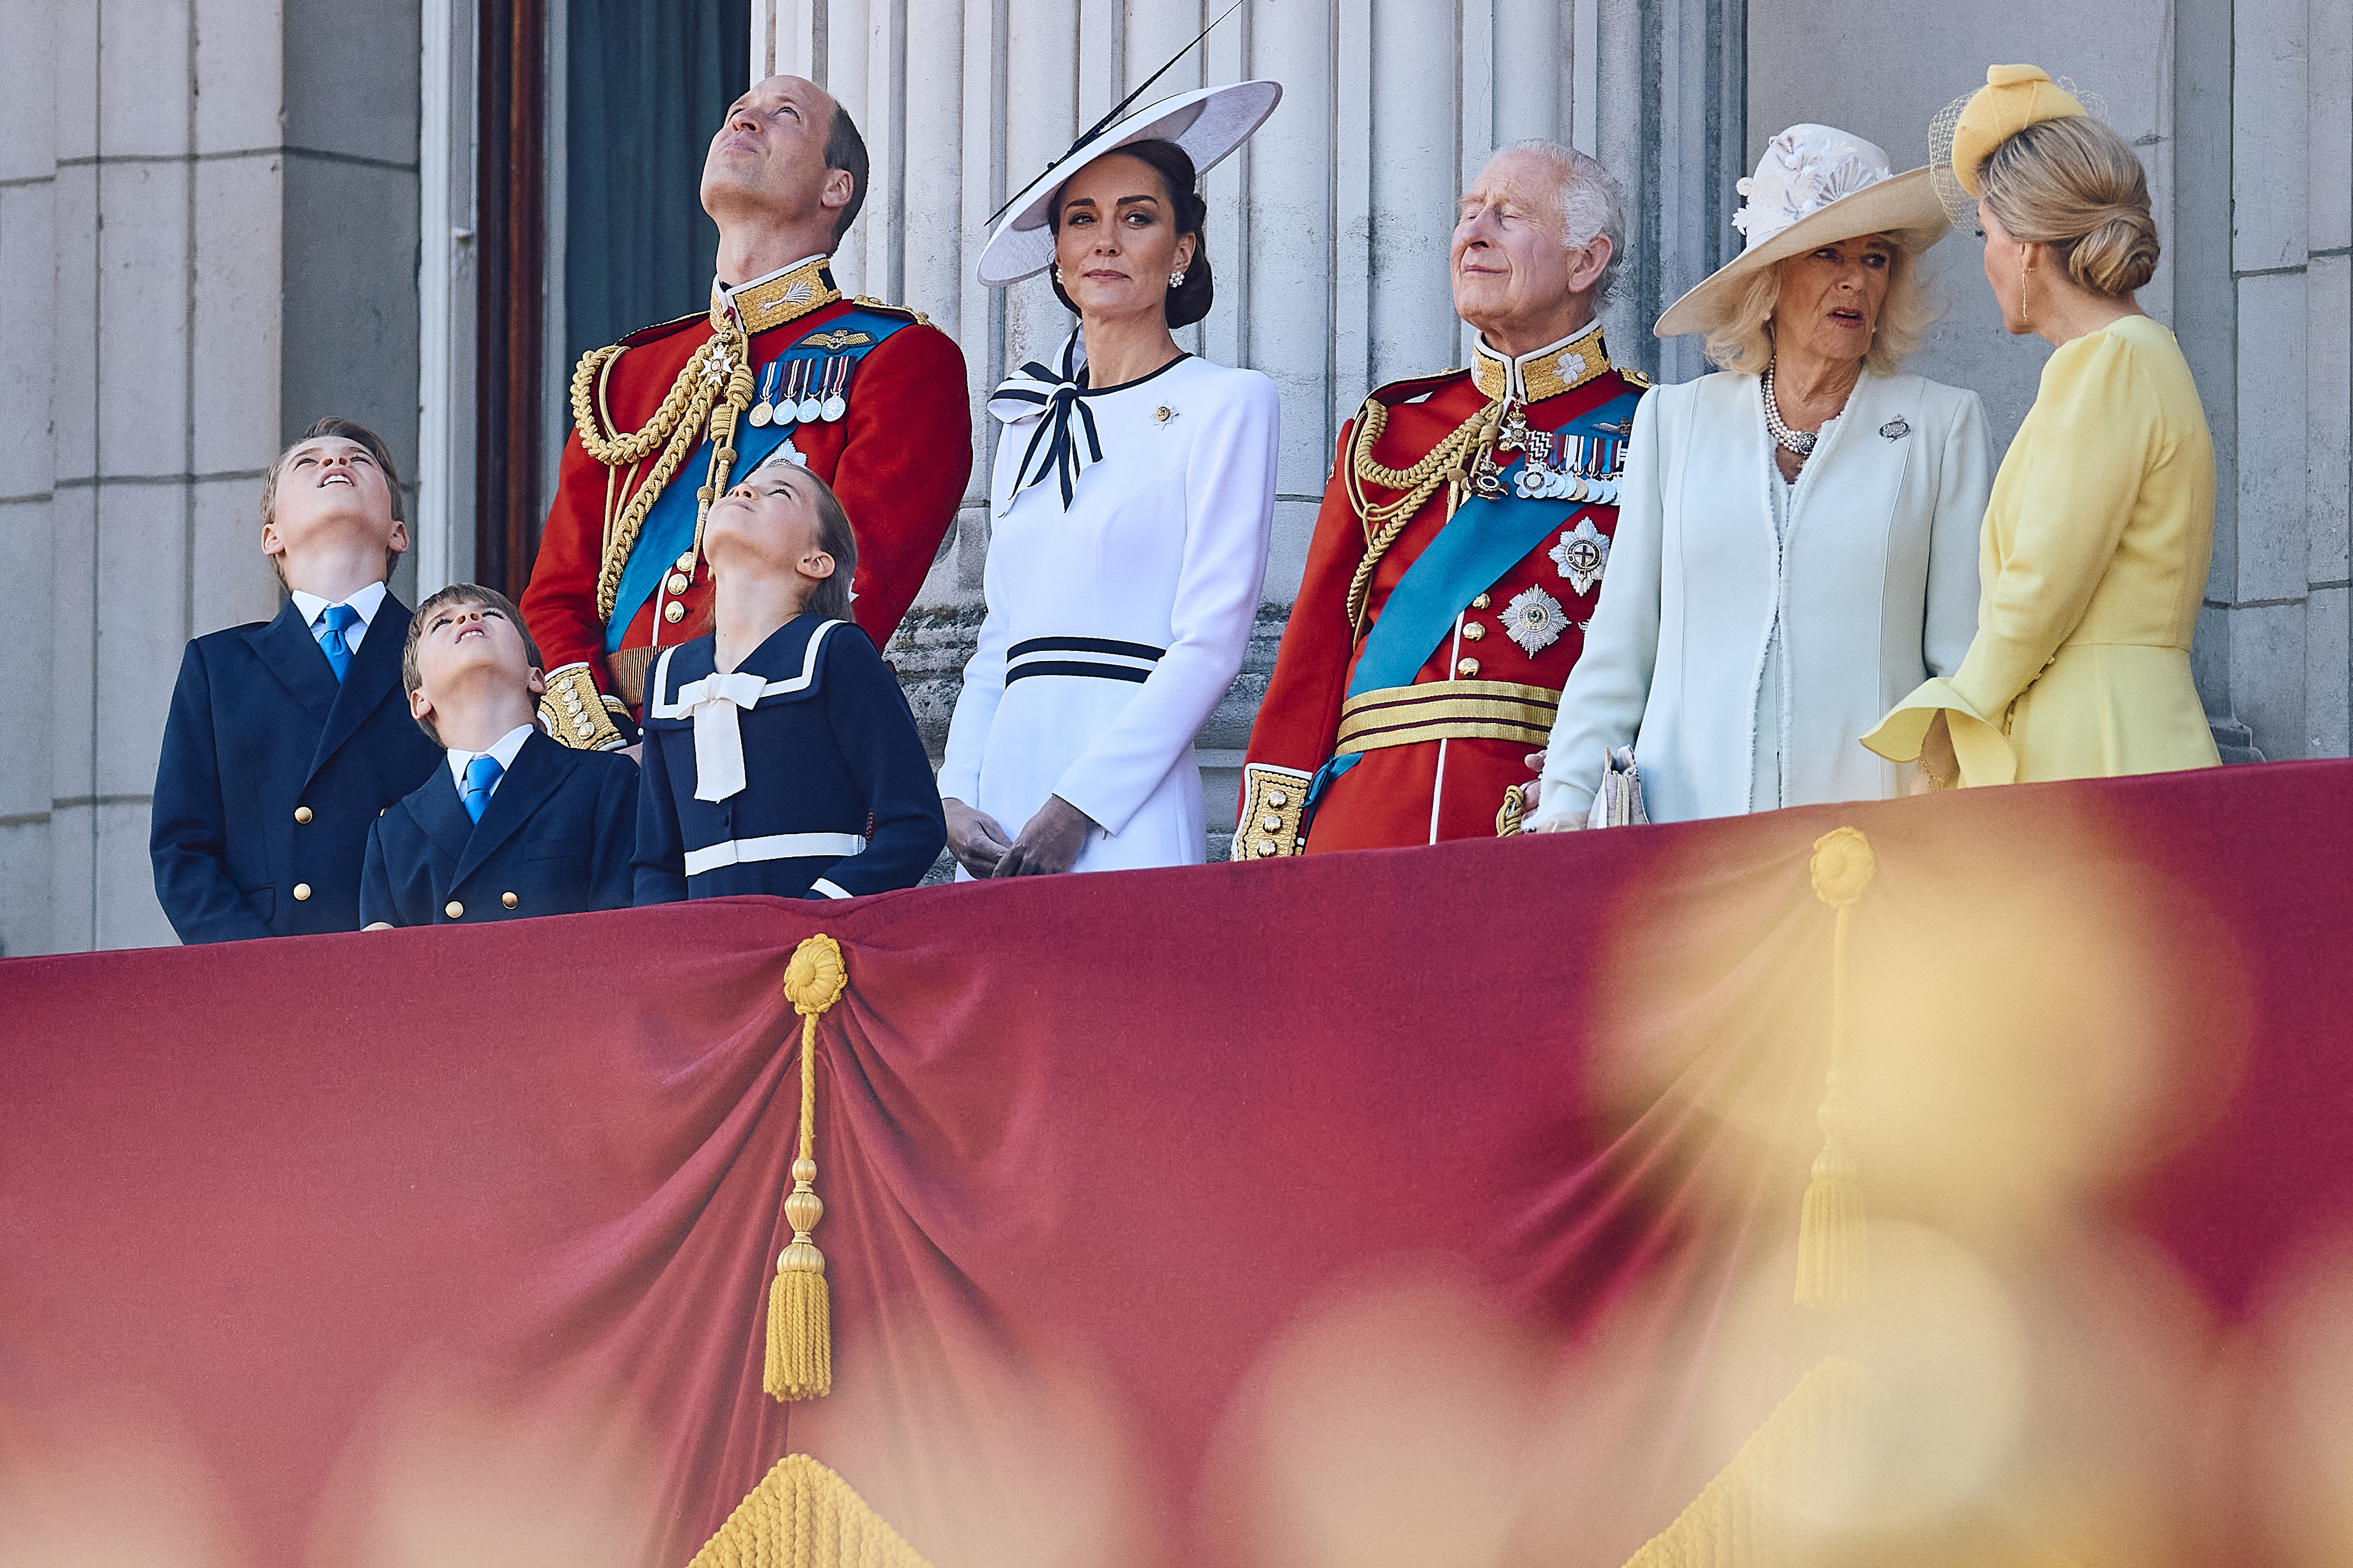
[[1834, 1230], [800, 1315]]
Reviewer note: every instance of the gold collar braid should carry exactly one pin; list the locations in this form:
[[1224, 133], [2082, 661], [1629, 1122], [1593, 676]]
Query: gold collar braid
[[1564, 367], [776, 302]]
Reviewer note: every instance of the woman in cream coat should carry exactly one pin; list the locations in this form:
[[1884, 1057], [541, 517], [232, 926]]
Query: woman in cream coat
[[1797, 542]]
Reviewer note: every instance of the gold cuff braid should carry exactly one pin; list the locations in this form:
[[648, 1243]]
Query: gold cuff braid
[[1273, 800], [574, 712]]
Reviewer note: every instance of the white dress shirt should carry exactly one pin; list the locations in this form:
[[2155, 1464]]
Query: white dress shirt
[[367, 601], [504, 749]]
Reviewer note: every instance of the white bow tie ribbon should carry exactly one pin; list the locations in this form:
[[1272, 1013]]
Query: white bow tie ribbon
[[713, 702]]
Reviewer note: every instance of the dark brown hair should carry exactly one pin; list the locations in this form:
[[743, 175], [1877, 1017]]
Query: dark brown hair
[[458, 594], [1190, 300], [349, 431], [845, 150]]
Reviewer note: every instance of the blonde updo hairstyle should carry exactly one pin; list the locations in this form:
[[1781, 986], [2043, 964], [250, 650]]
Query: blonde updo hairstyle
[[1741, 340], [2075, 185]]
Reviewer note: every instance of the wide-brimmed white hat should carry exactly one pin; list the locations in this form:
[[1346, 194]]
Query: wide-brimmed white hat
[[1816, 184], [1208, 123]]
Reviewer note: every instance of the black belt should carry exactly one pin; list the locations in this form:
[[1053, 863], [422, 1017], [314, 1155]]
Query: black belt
[[1099, 657]]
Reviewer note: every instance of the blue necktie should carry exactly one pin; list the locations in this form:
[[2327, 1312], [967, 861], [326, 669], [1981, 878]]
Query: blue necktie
[[481, 774], [339, 620]]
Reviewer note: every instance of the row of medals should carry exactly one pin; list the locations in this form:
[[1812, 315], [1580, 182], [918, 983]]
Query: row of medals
[[1587, 472], [809, 395]]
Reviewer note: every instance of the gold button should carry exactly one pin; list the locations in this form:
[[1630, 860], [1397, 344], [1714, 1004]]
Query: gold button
[[686, 562], [509, 899], [303, 814], [1162, 413], [1473, 631], [1276, 798], [454, 910], [673, 612], [1480, 603], [1469, 667], [301, 892], [1265, 848], [677, 583], [1269, 823]]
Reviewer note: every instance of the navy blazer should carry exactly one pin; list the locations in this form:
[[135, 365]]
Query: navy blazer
[[554, 840], [272, 775], [839, 797]]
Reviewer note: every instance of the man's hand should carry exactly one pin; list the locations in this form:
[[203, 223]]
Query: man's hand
[[974, 838], [1049, 843], [1534, 822]]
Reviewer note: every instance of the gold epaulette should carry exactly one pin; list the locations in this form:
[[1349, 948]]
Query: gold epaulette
[[869, 302], [1272, 801], [575, 712]]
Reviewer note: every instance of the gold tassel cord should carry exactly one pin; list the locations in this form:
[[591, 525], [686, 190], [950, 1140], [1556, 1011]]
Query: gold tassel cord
[[1448, 462], [1833, 1231], [715, 385], [801, 1322]]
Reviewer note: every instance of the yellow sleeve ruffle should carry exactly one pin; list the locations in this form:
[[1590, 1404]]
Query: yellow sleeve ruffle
[[1979, 744]]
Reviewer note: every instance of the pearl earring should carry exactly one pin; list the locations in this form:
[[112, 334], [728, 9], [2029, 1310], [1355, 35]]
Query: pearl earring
[[1057, 274], [1176, 280]]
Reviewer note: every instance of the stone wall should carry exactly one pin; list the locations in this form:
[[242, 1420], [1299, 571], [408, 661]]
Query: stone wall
[[207, 238]]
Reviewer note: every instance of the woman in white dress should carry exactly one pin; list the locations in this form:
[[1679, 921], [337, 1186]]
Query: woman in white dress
[[1131, 503], [1797, 541]]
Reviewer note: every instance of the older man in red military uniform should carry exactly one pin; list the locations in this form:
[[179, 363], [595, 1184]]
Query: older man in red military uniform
[[1461, 545], [869, 397]]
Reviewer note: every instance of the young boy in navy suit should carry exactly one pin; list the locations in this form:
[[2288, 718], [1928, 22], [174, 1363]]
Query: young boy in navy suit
[[515, 824], [285, 738], [780, 756]]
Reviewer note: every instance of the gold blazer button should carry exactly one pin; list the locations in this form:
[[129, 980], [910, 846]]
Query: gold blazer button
[[509, 899], [301, 892], [673, 612], [303, 814], [454, 910], [1468, 667], [1473, 631]]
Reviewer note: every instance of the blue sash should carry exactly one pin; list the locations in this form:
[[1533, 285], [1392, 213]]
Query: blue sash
[[668, 530], [1483, 540]]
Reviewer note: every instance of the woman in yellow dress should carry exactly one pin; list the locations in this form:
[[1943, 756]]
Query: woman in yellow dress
[[2101, 525]]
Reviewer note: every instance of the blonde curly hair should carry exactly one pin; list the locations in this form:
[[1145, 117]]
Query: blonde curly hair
[[1742, 339]]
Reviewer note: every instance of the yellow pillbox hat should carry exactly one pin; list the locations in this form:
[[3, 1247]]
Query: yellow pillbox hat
[[2013, 98]]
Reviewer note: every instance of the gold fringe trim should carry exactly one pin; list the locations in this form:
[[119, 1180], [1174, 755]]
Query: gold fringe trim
[[800, 1313], [1734, 1522], [802, 1515], [1834, 1230]]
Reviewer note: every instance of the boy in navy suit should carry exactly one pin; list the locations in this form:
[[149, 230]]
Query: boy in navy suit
[[285, 737], [515, 824], [780, 756]]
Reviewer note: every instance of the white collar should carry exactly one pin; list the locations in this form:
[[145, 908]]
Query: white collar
[[504, 749], [720, 289], [367, 601]]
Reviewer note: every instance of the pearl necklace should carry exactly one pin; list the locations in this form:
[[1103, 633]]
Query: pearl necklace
[[1801, 442]]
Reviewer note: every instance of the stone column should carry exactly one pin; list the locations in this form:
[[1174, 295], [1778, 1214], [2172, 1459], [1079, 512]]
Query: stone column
[[207, 238]]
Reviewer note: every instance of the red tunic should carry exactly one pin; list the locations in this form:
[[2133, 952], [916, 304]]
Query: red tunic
[[898, 460], [1426, 791]]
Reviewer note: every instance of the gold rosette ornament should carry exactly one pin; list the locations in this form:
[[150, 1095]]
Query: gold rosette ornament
[[800, 1317]]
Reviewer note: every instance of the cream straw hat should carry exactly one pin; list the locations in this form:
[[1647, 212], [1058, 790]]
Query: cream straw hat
[[1815, 185]]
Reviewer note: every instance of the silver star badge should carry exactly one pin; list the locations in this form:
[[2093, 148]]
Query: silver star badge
[[1535, 620], [1582, 554]]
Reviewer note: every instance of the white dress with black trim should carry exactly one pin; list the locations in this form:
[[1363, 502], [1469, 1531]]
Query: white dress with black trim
[[1129, 545]]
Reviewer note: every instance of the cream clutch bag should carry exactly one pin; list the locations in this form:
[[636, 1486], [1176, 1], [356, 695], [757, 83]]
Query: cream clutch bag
[[1617, 802]]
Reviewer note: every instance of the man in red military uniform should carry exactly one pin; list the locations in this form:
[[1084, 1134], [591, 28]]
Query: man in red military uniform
[[870, 397], [1462, 543]]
